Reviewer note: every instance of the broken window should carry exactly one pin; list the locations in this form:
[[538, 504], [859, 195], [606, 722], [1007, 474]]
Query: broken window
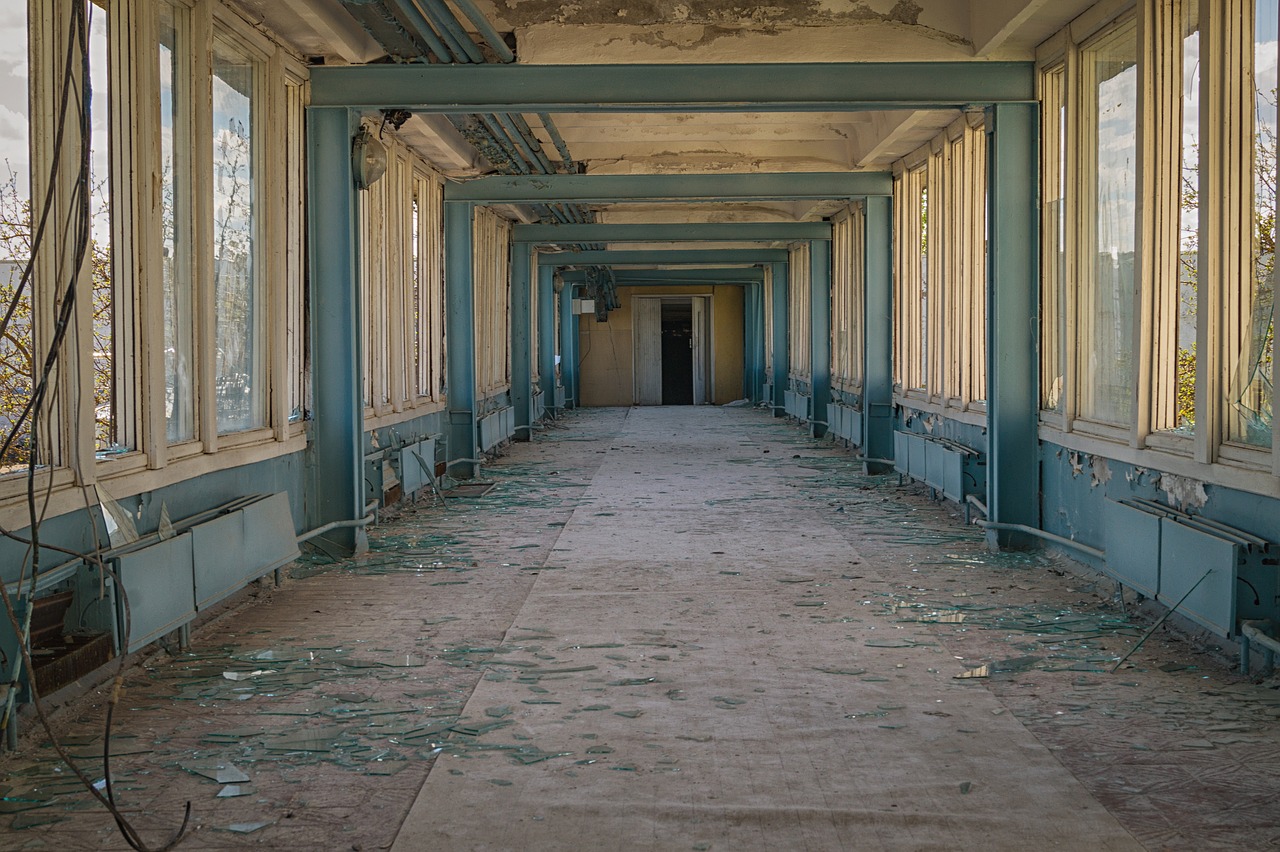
[[297, 361], [16, 330], [1053, 245], [847, 271]]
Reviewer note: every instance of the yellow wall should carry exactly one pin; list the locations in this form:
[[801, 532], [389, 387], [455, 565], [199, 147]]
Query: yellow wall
[[605, 349]]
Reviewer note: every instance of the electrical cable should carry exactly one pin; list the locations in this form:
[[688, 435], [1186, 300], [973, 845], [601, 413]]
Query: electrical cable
[[77, 237]]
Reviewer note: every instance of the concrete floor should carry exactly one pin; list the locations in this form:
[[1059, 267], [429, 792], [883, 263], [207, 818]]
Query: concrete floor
[[675, 628]]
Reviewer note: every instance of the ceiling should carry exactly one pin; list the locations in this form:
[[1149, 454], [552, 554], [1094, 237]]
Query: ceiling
[[691, 31]]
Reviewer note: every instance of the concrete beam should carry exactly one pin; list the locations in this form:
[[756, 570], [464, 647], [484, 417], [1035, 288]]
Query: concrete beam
[[798, 87]]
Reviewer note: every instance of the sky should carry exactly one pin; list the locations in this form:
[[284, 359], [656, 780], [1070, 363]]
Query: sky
[[13, 92]]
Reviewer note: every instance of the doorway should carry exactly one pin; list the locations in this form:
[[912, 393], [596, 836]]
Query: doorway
[[672, 350]]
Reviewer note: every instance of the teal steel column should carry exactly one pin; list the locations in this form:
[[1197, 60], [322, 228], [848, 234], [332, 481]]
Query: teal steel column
[[781, 332], [568, 347], [336, 452], [522, 341], [460, 350], [877, 324], [758, 342], [547, 334], [750, 343], [1013, 469], [820, 332]]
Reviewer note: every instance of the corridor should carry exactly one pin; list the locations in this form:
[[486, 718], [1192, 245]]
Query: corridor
[[673, 628]]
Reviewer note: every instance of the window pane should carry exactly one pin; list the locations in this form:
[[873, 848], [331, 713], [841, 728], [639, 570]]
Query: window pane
[[110, 430], [1189, 228], [175, 231], [1250, 389], [239, 357], [924, 289], [15, 232], [1054, 256], [1106, 309], [419, 385]]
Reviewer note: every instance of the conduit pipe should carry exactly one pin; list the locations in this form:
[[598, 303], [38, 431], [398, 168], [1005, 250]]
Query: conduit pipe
[[1047, 536], [336, 525], [442, 16], [423, 29], [486, 30]]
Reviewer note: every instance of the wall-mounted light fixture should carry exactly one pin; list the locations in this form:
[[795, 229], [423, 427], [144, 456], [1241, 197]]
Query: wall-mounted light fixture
[[368, 159]]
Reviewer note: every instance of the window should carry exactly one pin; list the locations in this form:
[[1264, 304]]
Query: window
[[1053, 246], [940, 267], [909, 252], [1109, 65], [239, 309], [1249, 391], [846, 298], [175, 224], [800, 318], [492, 264], [16, 342], [1164, 225], [298, 358]]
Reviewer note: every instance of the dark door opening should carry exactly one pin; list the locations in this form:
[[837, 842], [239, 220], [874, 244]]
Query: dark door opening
[[677, 353]]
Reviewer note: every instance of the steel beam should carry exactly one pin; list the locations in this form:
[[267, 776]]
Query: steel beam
[[601, 189], [781, 323], [336, 449], [877, 324], [522, 354], [792, 87], [1013, 468], [460, 350], [670, 233], [547, 334], [698, 275], [819, 284], [662, 257]]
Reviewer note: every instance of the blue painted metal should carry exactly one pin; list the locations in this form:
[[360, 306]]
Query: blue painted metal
[[336, 454], [675, 232], [820, 337], [486, 30], [522, 354], [547, 333], [568, 347], [781, 322], [664, 257], [798, 87], [460, 352], [1012, 306], [558, 141], [422, 28], [877, 324], [780, 186], [699, 275], [442, 16]]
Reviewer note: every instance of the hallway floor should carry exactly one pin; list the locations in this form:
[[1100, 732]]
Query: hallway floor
[[673, 628]]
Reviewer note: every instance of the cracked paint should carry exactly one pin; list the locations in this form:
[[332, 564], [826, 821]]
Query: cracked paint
[[1183, 491]]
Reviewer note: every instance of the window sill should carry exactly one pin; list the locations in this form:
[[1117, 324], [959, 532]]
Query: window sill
[[65, 496], [1255, 478], [972, 418]]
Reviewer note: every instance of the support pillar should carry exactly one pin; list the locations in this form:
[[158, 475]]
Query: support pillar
[[547, 334], [820, 333], [781, 326], [522, 341], [877, 324], [1013, 469], [336, 450], [460, 350]]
